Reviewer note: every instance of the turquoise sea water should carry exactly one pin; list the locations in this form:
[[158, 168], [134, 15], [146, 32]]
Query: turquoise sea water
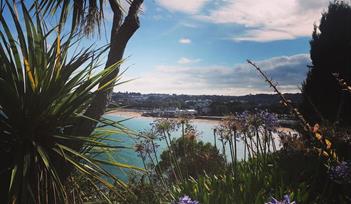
[[129, 156]]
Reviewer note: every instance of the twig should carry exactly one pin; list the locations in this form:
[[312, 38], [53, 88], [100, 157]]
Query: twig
[[286, 103], [326, 144], [342, 83]]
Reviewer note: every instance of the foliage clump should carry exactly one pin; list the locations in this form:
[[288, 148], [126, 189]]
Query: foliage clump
[[323, 98], [195, 158]]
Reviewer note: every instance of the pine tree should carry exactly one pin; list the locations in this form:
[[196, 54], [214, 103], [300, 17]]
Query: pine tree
[[323, 98]]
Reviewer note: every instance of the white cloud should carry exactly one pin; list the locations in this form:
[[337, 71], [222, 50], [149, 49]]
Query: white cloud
[[241, 79], [184, 41], [185, 6], [108, 13], [185, 60], [261, 35], [189, 25], [269, 20]]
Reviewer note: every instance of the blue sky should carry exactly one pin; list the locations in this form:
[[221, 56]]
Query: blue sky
[[201, 46]]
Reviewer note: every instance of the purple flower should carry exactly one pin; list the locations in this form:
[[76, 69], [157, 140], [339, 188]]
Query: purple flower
[[286, 200], [186, 200], [270, 120], [341, 173], [257, 119]]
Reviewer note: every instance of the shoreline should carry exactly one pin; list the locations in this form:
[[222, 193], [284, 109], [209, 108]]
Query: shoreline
[[135, 113]]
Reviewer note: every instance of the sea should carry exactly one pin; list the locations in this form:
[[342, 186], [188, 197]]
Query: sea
[[129, 156]]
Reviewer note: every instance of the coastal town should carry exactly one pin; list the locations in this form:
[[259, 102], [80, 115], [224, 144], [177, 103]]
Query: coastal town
[[209, 107]]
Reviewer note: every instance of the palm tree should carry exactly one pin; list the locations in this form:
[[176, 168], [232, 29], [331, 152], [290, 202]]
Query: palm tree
[[49, 105], [120, 34], [86, 16]]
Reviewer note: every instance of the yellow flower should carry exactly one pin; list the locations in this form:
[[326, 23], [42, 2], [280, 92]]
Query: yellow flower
[[318, 136], [328, 143]]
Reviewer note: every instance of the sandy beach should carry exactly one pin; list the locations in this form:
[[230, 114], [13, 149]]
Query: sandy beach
[[132, 113], [126, 113]]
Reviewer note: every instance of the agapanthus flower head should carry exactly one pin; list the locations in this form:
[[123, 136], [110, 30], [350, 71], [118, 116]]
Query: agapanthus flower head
[[191, 132], [228, 128], [163, 127], [286, 200], [341, 173], [139, 147], [270, 120], [243, 119], [255, 120], [148, 134], [164, 124], [144, 147], [186, 200], [182, 120], [191, 135]]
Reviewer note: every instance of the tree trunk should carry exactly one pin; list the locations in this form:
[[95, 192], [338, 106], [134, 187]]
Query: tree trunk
[[120, 35]]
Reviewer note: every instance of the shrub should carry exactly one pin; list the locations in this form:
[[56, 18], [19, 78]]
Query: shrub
[[323, 98], [44, 91], [253, 184], [194, 158]]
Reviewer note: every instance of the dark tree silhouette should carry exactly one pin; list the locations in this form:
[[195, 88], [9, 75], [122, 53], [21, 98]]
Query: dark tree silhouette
[[86, 16], [121, 32], [323, 98]]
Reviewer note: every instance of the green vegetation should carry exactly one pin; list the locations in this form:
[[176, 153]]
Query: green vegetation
[[330, 48], [54, 141], [254, 184], [303, 171], [194, 158], [45, 92], [311, 167]]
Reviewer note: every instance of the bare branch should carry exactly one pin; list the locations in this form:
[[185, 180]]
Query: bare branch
[[286, 103]]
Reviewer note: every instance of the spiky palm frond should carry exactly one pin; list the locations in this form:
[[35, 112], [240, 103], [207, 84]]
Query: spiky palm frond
[[43, 92], [86, 14]]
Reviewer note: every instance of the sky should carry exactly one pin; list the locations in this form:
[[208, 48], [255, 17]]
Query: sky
[[201, 46]]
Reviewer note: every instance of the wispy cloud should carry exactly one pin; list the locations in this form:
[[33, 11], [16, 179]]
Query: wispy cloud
[[242, 79], [185, 6], [184, 41], [268, 20], [189, 25], [185, 60]]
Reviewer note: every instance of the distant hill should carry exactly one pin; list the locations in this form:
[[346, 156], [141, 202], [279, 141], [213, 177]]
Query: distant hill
[[264, 99], [213, 105], [267, 99]]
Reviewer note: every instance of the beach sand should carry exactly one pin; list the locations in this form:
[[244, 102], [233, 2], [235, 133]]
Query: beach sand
[[126, 113], [131, 113]]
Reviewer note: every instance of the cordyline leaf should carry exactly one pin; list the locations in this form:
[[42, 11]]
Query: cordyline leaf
[[43, 89], [13, 175], [106, 122], [58, 54], [118, 164], [30, 75], [94, 142], [86, 169], [44, 157]]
